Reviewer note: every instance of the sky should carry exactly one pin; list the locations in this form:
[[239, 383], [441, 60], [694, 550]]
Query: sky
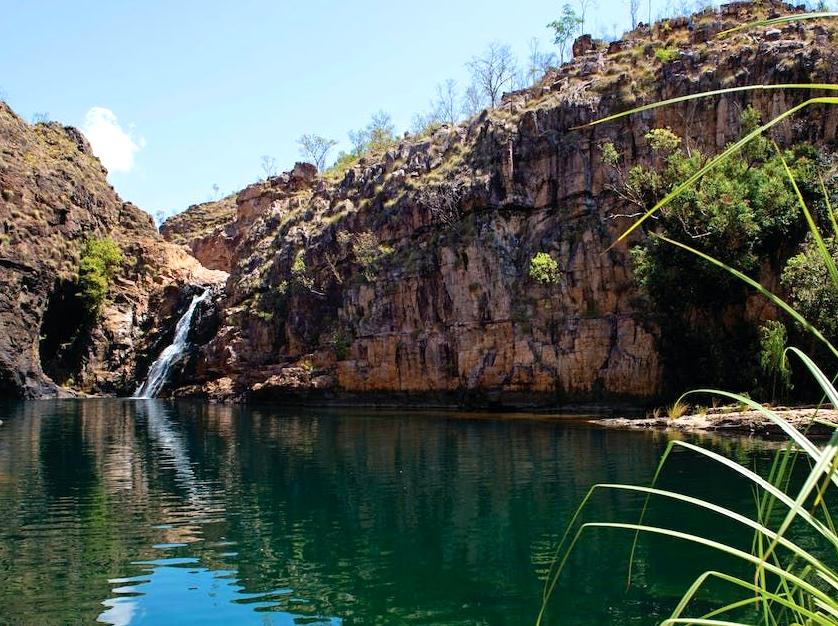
[[177, 96]]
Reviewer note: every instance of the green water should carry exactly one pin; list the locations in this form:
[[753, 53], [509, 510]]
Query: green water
[[144, 512]]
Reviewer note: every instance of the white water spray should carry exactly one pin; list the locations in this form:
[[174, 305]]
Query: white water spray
[[158, 374]]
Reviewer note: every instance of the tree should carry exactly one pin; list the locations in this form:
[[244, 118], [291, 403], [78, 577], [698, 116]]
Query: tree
[[216, 191], [424, 123], [473, 101], [378, 134], [492, 71], [564, 29], [634, 8], [445, 106], [445, 109], [316, 149], [268, 166], [584, 5], [538, 62]]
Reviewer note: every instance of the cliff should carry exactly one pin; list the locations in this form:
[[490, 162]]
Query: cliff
[[406, 277], [54, 197]]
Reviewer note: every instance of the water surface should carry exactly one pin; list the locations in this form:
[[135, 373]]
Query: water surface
[[148, 512]]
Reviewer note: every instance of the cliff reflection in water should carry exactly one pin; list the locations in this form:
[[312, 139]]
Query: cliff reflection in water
[[132, 512]]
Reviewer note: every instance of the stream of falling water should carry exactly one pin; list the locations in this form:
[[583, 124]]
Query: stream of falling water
[[158, 374]]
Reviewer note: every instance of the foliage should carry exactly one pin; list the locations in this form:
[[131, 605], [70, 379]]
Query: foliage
[[300, 274], [742, 212], [544, 269], [316, 148], [610, 156], [666, 54], [677, 410], [366, 249], [739, 210], [377, 135], [811, 292], [565, 28], [789, 576], [344, 162], [340, 339], [772, 355], [99, 263], [663, 141]]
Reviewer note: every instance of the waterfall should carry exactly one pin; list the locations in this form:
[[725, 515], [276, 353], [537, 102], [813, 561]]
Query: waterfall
[[159, 371]]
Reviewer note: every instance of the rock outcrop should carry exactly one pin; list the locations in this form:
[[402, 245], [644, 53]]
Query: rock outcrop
[[54, 196], [406, 277], [204, 230]]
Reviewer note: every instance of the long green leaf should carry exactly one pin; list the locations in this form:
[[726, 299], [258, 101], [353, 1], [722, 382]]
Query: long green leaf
[[732, 515], [750, 281], [761, 592], [813, 228], [721, 547], [709, 94], [779, 20]]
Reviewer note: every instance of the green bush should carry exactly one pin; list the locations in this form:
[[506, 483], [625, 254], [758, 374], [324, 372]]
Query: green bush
[[344, 163], [100, 260], [544, 269], [744, 213], [667, 54], [739, 211], [772, 355], [810, 288], [300, 276]]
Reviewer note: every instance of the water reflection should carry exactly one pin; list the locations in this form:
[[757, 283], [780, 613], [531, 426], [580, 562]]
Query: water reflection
[[144, 512]]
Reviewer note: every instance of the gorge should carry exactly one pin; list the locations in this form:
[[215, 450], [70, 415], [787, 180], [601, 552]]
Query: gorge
[[404, 277], [563, 353]]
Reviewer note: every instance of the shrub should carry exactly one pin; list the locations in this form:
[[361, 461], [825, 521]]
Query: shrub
[[299, 273], [663, 141], [344, 162], [810, 288], [741, 212], [772, 355], [677, 410], [610, 156], [544, 269], [666, 54], [100, 260], [366, 249]]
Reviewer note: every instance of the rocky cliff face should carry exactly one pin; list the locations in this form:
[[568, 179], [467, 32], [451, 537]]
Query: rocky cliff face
[[53, 197], [407, 277], [206, 231]]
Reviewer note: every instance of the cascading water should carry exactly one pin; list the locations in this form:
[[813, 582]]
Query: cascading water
[[158, 374]]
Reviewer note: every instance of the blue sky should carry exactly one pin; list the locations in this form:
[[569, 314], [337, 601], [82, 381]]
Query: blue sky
[[182, 95]]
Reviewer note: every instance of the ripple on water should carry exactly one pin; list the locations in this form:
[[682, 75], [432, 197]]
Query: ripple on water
[[154, 513]]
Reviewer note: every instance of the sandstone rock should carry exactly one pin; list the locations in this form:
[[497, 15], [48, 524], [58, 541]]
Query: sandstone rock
[[55, 196], [583, 45], [409, 276]]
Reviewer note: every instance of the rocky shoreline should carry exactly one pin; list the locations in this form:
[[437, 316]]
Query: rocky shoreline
[[734, 421]]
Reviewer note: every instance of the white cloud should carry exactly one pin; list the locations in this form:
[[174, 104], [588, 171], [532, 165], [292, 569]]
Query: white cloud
[[114, 146]]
